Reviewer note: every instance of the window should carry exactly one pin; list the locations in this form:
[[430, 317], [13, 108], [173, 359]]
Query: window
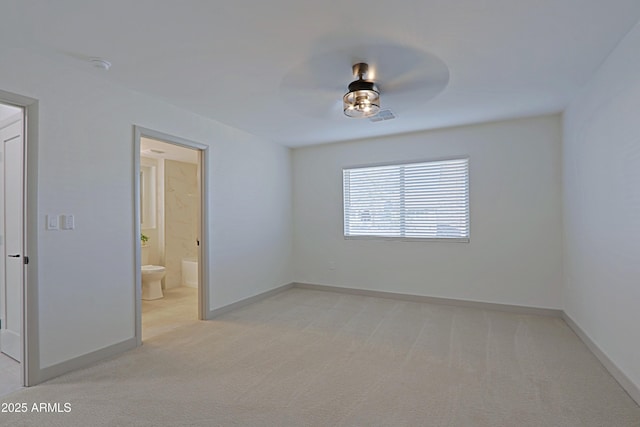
[[427, 200]]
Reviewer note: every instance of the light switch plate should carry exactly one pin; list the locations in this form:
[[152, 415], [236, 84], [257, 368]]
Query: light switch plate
[[68, 222], [52, 222]]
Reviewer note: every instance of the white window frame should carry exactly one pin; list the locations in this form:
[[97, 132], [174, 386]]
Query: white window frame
[[411, 239]]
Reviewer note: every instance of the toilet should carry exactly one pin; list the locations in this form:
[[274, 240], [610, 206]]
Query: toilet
[[151, 285]]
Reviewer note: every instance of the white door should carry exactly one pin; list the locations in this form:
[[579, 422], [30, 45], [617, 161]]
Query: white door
[[12, 262]]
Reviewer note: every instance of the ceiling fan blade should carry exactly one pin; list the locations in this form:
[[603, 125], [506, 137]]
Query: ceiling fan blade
[[406, 77], [416, 80], [314, 87], [313, 102]]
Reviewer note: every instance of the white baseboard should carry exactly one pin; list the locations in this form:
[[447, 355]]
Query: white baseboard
[[519, 309], [246, 301], [85, 360], [632, 389]]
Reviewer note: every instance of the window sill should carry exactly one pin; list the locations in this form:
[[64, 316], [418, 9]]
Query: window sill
[[411, 239]]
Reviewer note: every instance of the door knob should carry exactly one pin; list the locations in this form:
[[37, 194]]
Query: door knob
[[14, 256]]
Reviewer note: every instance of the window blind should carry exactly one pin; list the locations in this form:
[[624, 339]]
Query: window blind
[[427, 200]]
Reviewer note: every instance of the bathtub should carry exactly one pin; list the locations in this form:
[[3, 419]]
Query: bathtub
[[190, 272]]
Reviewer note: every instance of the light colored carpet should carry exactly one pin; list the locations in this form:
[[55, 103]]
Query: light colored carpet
[[313, 358]]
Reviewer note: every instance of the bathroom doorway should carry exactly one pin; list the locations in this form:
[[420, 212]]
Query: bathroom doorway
[[171, 241]]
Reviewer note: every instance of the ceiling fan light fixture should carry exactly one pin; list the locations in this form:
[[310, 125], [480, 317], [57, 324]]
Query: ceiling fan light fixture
[[363, 98]]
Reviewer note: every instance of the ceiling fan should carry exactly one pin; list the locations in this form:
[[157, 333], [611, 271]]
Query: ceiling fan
[[387, 76], [363, 98]]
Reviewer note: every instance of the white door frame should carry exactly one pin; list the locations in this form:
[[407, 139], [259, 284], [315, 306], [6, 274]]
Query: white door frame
[[203, 249], [30, 360]]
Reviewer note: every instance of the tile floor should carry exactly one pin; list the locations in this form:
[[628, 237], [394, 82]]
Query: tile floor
[[9, 375], [178, 307]]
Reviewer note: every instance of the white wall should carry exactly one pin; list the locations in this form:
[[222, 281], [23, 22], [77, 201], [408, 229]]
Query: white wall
[[86, 276], [180, 218], [253, 216], [601, 168], [514, 256]]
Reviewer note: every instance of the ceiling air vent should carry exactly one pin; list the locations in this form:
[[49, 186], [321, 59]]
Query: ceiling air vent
[[383, 115]]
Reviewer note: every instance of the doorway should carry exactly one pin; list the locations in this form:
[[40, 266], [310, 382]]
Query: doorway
[[12, 274], [171, 237]]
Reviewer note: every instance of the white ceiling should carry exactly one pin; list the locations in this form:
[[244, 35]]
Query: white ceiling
[[230, 60], [162, 150]]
